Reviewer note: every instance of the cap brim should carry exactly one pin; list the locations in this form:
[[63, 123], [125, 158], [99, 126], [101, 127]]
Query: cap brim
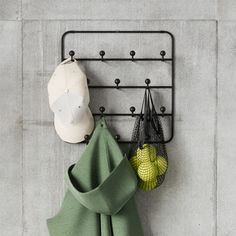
[[74, 133]]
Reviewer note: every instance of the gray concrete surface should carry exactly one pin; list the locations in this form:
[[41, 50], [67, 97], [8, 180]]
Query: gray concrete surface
[[226, 130], [11, 184], [10, 9], [227, 9], [198, 197], [123, 9]]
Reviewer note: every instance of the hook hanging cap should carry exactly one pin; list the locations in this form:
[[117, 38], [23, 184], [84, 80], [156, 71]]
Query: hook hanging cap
[[86, 138], [72, 53]]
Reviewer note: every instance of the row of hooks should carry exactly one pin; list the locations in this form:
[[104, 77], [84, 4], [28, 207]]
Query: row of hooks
[[132, 110], [117, 82], [87, 138], [132, 54]]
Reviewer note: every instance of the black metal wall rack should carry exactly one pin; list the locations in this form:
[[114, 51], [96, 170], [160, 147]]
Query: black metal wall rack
[[102, 57]]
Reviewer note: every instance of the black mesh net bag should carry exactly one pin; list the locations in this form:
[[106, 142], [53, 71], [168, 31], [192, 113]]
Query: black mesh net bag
[[148, 154]]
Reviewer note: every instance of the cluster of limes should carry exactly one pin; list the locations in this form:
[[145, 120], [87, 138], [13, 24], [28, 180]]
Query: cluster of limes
[[148, 166]]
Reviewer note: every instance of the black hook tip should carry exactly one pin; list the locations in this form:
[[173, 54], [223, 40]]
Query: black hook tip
[[72, 53], [102, 109], [162, 109], [147, 81], [162, 53], [117, 82], [132, 109], [86, 138], [117, 137], [132, 53], [102, 53]]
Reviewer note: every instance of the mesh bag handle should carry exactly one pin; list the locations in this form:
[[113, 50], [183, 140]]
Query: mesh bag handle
[[148, 116], [157, 126], [138, 128], [144, 117], [141, 133], [153, 113]]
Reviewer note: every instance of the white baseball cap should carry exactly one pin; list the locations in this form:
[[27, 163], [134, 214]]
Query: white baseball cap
[[68, 99]]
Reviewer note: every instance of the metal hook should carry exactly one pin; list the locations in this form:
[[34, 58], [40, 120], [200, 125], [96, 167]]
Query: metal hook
[[117, 81], [132, 109], [162, 109], [86, 138], [117, 137], [162, 53], [132, 54], [102, 109], [147, 81], [102, 54], [71, 53]]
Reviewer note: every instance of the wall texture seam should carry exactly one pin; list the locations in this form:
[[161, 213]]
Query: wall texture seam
[[22, 127], [19, 17], [115, 20], [216, 134]]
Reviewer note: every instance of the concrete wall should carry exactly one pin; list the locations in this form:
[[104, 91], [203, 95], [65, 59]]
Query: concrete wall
[[198, 197]]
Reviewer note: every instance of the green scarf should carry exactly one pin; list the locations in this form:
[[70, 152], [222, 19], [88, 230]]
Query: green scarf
[[101, 186]]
